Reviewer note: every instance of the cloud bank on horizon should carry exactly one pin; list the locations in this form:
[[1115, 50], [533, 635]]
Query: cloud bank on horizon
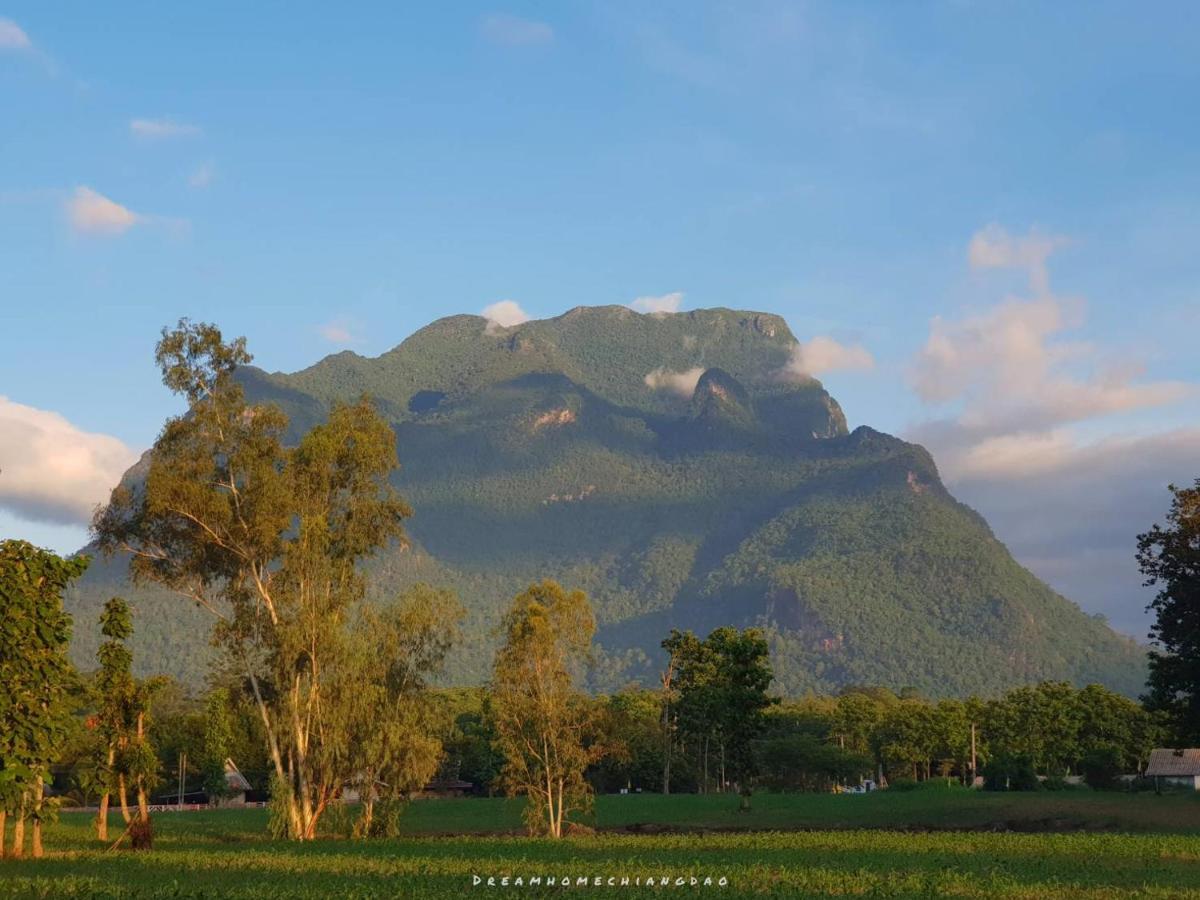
[[1044, 437]]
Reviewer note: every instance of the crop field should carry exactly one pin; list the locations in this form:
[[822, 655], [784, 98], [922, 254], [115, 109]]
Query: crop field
[[1129, 846]]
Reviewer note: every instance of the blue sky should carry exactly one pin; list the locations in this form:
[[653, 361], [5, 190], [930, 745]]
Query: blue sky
[[1024, 173]]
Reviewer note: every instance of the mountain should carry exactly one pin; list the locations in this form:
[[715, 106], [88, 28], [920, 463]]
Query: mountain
[[677, 469]]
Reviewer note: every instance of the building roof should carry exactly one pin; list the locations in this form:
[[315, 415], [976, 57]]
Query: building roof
[[235, 779], [1168, 763]]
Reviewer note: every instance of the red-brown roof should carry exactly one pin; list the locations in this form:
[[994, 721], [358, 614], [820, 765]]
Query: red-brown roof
[[1169, 763]]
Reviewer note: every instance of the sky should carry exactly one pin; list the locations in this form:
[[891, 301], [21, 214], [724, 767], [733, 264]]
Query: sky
[[980, 219]]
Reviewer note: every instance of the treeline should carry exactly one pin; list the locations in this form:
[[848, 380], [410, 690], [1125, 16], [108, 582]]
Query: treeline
[[712, 725]]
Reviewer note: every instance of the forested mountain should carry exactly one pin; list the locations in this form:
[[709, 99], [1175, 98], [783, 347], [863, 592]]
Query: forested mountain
[[678, 469]]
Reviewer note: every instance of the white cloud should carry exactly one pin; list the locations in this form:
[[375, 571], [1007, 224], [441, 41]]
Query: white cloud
[[1011, 370], [12, 36], [664, 303], [504, 314], [682, 383], [202, 176], [92, 213], [52, 471], [824, 354], [159, 129], [339, 331], [513, 31], [993, 247], [1016, 392]]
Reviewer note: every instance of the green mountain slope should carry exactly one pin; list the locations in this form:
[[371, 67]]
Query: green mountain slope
[[672, 467]]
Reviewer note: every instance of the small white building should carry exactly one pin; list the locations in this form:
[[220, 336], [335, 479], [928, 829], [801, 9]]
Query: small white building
[[1175, 767]]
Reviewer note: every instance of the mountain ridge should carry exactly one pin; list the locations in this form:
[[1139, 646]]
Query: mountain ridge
[[676, 467]]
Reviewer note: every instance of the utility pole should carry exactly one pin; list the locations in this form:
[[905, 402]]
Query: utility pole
[[182, 777]]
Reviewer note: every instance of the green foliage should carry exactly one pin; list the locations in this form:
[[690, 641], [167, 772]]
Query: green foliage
[[281, 823], [1012, 771], [470, 750], [218, 743], [36, 676], [720, 699], [1169, 557], [1102, 765], [806, 762], [547, 730]]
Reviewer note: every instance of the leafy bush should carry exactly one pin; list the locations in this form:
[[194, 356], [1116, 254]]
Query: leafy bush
[[904, 784], [1102, 767], [1010, 772]]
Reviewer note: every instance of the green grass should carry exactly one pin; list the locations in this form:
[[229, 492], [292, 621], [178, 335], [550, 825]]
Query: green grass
[[929, 809], [859, 851]]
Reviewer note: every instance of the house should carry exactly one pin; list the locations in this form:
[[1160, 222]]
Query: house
[[445, 787], [1175, 767], [236, 784]]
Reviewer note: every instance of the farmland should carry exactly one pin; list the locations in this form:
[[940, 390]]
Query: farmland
[[1067, 845]]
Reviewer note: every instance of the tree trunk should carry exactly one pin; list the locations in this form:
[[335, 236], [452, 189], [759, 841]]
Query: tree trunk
[[142, 801], [368, 816], [284, 775], [562, 803], [102, 818], [102, 815], [18, 844], [123, 796], [3, 822], [39, 792]]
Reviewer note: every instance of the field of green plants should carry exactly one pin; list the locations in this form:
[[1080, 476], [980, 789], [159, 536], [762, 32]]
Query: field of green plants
[[1076, 845]]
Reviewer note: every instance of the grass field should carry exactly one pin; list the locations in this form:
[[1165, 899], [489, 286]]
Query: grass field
[[1137, 845]]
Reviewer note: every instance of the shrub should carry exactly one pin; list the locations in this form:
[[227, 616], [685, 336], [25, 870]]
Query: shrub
[[1010, 772], [903, 784], [1102, 767]]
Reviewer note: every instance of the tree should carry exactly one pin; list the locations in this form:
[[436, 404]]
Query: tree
[[267, 538], [1040, 724], [692, 716], [906, 738], [1169, 557], [743, 674], [470, 747], [123, 725], [855, 718], [218, 745], [115, 686], [546, 728], [391, 739], [720, 685], [633, 722], [1108, 720], [35, 680]]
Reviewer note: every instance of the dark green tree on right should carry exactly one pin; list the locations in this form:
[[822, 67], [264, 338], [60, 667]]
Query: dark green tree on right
[[1169, 557]]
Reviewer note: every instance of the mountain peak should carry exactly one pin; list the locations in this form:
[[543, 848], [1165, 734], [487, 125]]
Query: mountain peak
[[669, 466]]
